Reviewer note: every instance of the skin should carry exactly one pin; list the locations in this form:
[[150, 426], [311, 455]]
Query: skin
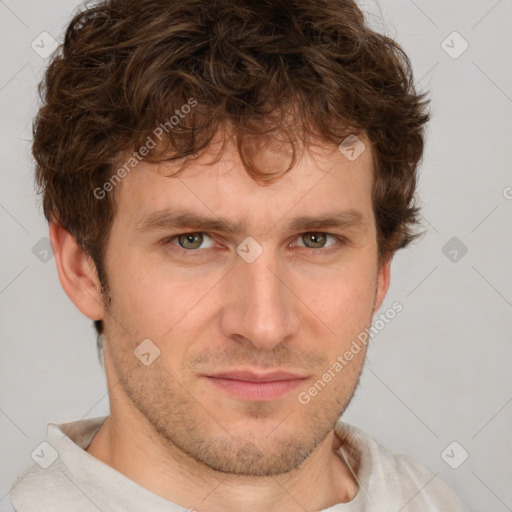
[[170, 429]]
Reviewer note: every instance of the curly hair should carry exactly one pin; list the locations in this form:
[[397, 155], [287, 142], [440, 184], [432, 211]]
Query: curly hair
[[303, 68]]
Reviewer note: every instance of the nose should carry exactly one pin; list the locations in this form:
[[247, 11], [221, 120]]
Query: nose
[[260, 306]]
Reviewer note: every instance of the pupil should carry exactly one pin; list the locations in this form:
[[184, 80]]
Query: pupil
[[190, 239], [316, 238]]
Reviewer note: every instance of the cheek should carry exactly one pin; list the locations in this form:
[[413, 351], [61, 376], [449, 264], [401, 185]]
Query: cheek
[[343, 301], [154, 300]]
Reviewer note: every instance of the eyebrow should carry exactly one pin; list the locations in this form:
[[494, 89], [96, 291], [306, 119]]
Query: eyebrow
[[181, 219]]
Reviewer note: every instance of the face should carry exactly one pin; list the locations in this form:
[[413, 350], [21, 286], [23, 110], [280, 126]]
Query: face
[[211, 300]]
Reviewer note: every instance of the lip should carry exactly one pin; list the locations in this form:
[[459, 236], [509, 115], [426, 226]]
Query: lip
[[251, 376], [253, 386]]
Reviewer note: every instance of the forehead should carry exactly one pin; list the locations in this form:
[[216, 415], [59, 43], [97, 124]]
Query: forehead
[[322, 182]]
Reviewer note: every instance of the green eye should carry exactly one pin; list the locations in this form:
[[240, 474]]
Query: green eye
[[190, 240], [318, 240]]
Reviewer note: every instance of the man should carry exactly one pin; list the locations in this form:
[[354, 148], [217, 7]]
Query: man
[[226, 184]]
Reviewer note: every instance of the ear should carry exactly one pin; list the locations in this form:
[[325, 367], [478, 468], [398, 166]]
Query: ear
[[383, 279], [77, 272]]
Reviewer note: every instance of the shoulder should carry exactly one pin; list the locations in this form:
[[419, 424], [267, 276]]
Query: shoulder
[[48, 489], [398, 480], [50, 486], [426, 490]]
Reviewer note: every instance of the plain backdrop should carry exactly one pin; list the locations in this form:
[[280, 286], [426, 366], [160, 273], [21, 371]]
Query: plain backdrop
[[438, 373]]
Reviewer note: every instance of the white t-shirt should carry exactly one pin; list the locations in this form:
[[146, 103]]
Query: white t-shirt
[[77, 481]]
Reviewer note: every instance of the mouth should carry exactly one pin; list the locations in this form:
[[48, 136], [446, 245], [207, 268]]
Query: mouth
[[256, 386]]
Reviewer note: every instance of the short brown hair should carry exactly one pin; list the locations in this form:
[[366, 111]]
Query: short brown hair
[[126, 66]]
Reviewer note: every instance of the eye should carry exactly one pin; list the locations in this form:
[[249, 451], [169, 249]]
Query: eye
[[190, 241], [317, 240]]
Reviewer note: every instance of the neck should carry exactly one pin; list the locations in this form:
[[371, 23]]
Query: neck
[[129, 445]]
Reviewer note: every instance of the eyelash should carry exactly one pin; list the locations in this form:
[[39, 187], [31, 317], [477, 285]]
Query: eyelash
[[197, 252]]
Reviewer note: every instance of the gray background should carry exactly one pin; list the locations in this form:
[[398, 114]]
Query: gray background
[[438, 373]]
